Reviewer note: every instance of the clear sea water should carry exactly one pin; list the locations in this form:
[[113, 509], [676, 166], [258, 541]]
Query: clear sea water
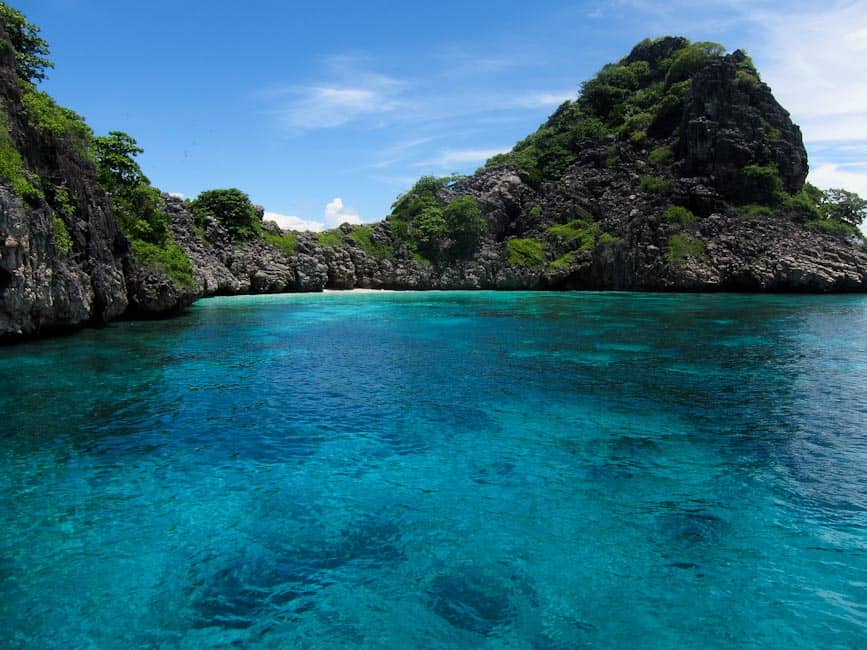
[[441, 470]]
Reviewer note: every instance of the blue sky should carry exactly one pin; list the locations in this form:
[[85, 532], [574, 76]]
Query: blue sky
[[325, 111]]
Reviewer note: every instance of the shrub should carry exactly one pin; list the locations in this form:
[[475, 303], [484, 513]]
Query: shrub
[[168, 258], [681, 246], [528, 253], [283, 241], [655, 185], [333, 238], [45, 116], [62, 239], [677, 214], [363, 237], [12, 169], [578, 234], [607, 239], [690, 59], [232, 208], [761, 185], [660, 156], [465, 225], [565, 261]]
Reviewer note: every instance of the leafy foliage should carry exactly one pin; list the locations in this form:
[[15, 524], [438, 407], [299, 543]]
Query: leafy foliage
[[681, 246], [760, 184], [677, 214], [430, 227], [332, 238], [655, 185], [62, 239], [363, 237], [527, 252], [232, 208], [168, 258], [12, 169], [283, 241], [640, 97], [47, 117], [136, 204], [579, 234], [661, 156], [844, 206], [31, 50]]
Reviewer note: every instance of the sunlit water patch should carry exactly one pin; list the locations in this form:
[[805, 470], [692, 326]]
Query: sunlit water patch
[[393, 470]]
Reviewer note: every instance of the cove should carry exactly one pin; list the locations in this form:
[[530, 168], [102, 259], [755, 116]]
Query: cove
[[441, 469]]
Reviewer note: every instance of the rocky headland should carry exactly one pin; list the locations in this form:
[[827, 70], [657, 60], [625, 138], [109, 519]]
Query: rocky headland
[[675, 169]]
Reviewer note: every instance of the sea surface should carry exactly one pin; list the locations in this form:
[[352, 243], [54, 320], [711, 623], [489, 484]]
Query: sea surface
[[441, 470]]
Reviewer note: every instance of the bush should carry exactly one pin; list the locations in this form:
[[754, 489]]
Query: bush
[[692, 58], [578, 234], [655, 185], [680, 247], [677, 214], [45, 116], [363, 237], [232, 208], [761, 185], [62, 239], [284, 242], [528, 253], [168, 258], [332, 238], [661, 156], [465, 225], [12, 169]]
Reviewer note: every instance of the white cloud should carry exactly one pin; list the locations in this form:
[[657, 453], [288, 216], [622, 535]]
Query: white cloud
[[328, 105], [290, 222], [460, 158], [336, 213], [177, 195], [815, 62], [850, 177]]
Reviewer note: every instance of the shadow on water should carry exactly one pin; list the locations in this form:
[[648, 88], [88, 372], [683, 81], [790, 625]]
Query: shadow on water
[[473, 600], [257, 584]]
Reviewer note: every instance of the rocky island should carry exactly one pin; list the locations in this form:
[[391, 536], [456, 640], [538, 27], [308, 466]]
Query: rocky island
[[675, 169]]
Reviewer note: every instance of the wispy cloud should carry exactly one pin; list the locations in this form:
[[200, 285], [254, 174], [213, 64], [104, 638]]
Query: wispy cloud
[[449, 159]]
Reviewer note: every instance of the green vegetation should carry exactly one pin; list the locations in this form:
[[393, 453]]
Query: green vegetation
[[283, 241], [580, 234], [535, 212], [45, 116], [60, 199], [607, 239], [138, 207], [30, 49], [638, 98], [661, 156], [12, 169], [363, 237], [843, 206], [62, 239], [433, 229], [677, 214], [136, 204], [655, 185], [528, 253], [332, 238], [753, 210], [232, 208], [564, 262], [761, 185], [168, 258], [681, 246]]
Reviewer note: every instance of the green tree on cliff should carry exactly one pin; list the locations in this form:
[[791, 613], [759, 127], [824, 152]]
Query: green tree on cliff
[[30, 48]]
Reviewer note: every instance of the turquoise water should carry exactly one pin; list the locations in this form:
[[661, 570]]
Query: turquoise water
[[441, 470]]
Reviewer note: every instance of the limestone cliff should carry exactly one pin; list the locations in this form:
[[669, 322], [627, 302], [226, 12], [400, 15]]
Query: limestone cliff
[[675, 170]]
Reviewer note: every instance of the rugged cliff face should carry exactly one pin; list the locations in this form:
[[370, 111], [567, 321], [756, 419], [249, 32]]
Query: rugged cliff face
[[676, 169]]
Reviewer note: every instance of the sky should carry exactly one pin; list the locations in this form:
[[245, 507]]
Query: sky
[[326, 111]]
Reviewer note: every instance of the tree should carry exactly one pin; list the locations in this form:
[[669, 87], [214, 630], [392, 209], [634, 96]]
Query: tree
[[232, 208], [845, 206], [465, 224], [136, 204], [115, 153], [30, 48]]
